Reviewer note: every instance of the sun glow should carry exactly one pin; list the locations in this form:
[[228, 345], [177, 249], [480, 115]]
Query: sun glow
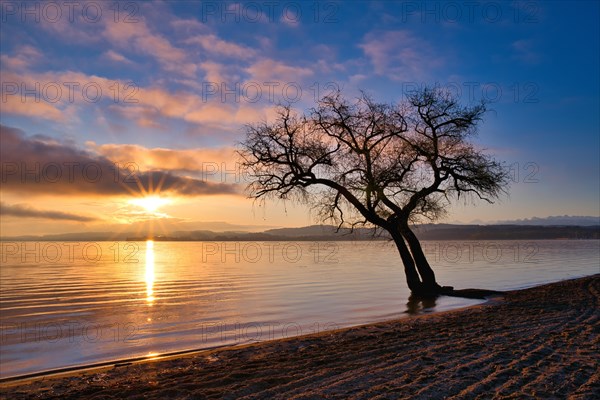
[[150, 203]]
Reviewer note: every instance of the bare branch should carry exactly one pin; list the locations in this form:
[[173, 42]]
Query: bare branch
[[364, 162]]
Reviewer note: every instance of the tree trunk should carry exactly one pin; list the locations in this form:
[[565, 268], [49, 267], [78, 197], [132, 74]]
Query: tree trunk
[[412, 277], [427, 275]]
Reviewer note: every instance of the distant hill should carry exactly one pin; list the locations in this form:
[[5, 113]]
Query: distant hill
[[559, 220], [330, 233], [505, 232], [318, 231]]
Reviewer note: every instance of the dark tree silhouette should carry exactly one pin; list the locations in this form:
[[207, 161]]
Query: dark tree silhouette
[[383, 165]]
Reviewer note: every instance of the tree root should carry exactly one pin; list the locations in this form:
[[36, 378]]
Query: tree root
[[473, 293], [481, 294]]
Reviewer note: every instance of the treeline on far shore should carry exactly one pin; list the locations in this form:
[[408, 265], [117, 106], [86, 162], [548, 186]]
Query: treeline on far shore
[[331, 233], [424, 232]]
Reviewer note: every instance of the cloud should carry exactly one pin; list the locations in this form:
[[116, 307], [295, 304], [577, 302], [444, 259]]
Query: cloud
[[211, 110], [58, 100], [213, 44], [42, 165], [56, 95], [144, 105], [267, 70], [114, 56], [143, 116], [24, 57], [76, 27], [214, 72], [138, 38], [400, 55], [126, 29], [187, 26], [190, 160], [15, 104], [25, 211]]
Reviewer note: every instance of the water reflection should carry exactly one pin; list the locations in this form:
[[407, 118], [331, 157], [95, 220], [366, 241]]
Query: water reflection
[[206, 300], [419, 304], [149, 272]]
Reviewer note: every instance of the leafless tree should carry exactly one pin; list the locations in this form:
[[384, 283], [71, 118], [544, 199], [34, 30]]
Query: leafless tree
[[381, 165]]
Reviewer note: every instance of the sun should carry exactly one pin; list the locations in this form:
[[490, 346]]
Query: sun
[[150, 203]]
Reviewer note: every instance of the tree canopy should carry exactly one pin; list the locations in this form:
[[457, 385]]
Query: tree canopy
[[385, 165]]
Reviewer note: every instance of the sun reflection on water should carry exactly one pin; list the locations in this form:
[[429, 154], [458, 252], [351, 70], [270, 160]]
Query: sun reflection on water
[[150, 272]]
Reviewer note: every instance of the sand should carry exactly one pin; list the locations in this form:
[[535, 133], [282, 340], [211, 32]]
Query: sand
[[542, 342]]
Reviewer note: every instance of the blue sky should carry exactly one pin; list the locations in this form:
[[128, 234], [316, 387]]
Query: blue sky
[[162, 68]]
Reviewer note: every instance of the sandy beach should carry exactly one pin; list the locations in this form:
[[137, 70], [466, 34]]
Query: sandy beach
[[541, 342]]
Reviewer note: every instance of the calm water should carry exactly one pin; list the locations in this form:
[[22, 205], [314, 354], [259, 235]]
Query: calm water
[[65, 304]]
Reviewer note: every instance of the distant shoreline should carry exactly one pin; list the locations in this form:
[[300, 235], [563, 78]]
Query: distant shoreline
[[275, 240], [539, 342], [272, 240], [330, 233]]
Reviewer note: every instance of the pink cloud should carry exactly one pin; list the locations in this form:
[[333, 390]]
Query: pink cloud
[[74, 27], [114, 56], [154, 103], [213, 44], [270, 70], [187, 26], [24, 57], [138, 38], [214, 72], [144, 105], [400, 55]]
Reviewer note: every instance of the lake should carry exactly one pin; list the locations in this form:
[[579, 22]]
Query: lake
[[67, 303]]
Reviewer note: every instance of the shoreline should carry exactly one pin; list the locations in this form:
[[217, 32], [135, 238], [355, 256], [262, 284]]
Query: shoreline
[[540, 341], [101, 365], [62, 372]]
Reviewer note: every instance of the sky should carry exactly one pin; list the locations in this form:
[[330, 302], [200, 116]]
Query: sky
[[121, 115]]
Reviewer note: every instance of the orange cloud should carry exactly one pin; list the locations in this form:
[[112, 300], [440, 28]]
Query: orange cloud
[[14, 104], [41, 165], [166, 159]]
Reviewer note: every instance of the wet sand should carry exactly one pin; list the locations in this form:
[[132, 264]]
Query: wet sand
[[541, 342]]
